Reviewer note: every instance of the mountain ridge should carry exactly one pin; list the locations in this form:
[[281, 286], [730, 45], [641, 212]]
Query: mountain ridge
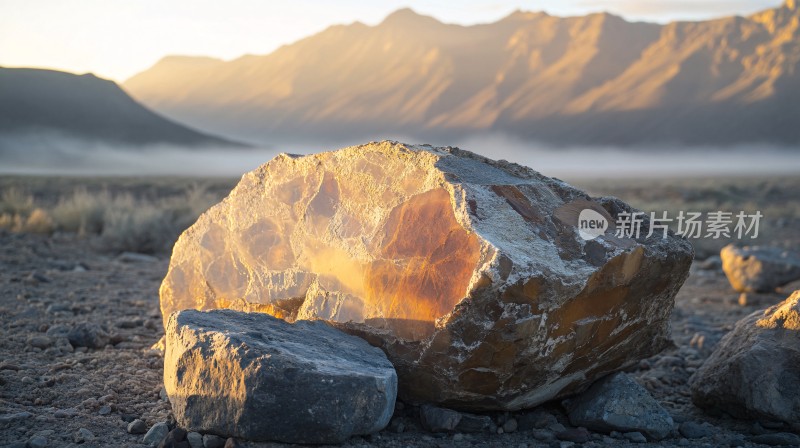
[[594, 79], [42, 101]]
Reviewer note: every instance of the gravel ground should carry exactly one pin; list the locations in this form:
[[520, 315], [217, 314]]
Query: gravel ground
[[54, 393]]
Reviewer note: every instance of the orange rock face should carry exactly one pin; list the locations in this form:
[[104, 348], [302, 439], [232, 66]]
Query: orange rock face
[[466, 271]]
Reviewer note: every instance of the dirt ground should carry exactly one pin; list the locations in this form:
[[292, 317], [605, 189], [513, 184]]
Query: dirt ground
[[49, 389]]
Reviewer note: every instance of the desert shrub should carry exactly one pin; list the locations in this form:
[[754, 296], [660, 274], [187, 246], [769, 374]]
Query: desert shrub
[[15, 201], [116, 221], [82, 212], [38, 221]]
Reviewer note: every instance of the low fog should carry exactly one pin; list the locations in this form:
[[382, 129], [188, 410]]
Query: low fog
[[50, 155]]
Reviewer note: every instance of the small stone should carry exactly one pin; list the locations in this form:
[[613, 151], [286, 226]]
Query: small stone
[[777, 439], [471, 423], [458, 437], [577, 435], [635, 437], [83, 435], [37, 442], [510, 425], [41, 342], [195, 439], [105, 410], [619, 403], [436, 419], [737, 442], [212, 441], [156, 434], [231, 443], [137, 427], [88, 335], [694, 430], [544, 435], [176, 438], [9, 418], [163, 395], [535, 420]]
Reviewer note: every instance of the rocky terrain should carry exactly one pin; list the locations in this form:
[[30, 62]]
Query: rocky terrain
[[77, 367], [79, 396]]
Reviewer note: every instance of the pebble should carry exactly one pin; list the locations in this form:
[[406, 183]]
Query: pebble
[[212, 441], [510, 425], [83, 435], [156, 434], [37, 442], [175, 439], [88, 334], [137, 427], [231, 443], [577, 435], [777, 439], [544, 435], [635, 437], [195, 439], [694, 430], [41, 342], [105, 410], [8, 418]]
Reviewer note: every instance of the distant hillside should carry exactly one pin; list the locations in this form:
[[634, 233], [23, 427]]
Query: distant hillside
[[596, 79], [34, 101]]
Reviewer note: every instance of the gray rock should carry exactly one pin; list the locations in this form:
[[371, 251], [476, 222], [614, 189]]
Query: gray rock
[[471, 423], [618, 403], [195, 439], [156, 434], [41, 342], [694, 430], [753, 372], [256, 377], [212, 441], [535, 420], [577, 435], [510, 425], [37, 442], [777, 439], [436, 419], [759, 268], [83, 435], [89, 335], [635, 437], [137, 427], [133, 257], [9, 418]]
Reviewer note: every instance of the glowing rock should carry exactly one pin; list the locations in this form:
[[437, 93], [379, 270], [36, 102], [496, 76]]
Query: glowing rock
[[471, 274]]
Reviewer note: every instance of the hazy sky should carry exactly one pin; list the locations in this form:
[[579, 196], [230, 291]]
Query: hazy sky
[[118, 38]]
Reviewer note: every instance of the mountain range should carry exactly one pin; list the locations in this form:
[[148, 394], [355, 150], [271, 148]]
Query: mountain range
[[596, 79], [49, 104]]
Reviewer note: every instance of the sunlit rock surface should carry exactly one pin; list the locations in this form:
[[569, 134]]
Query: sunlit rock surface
[[469, 273], [753, 372], [759, 268], [256, 377]]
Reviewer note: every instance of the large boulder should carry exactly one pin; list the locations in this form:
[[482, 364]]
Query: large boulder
[[753, 372], [256, 377], [759, 268], [471, 274]]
